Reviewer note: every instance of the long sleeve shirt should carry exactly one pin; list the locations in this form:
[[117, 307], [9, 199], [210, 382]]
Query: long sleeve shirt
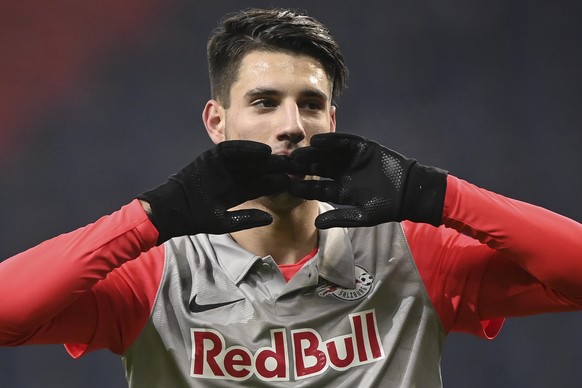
[[107, 285]]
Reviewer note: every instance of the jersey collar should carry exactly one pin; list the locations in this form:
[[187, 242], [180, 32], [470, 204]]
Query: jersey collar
[[234, 259], [335, 257]]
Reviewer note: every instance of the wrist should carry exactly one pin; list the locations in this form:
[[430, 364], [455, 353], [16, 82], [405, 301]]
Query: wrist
[[424, 195], [167, 208], [146, 208]]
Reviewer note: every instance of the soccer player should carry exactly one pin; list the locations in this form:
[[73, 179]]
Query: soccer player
[[241, 269]]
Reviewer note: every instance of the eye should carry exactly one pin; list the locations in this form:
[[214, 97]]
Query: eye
[[311, 105], [264, 103]]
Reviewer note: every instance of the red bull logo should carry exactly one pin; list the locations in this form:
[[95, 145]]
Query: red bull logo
[[311, 354]]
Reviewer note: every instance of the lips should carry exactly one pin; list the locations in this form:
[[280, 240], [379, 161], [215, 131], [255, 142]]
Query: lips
[[286, 152], [296, 177]]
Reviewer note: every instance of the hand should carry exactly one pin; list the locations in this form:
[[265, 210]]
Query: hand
[[197, 198], [379, 184]]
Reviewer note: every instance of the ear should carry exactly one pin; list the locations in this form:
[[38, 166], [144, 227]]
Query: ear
[[214, 116], [332, 111]]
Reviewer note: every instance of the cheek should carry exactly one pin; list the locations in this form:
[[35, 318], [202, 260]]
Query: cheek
[[320, 126], [239, 127], [233, 126]]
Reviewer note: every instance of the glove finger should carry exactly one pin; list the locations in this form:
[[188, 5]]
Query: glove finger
[[255, 188], [245, 219], [245, 148], [249, 165], [346, 217], [315, 161], [322, 190], [336, 141], [308, 155], [284, 164], [242, 157]]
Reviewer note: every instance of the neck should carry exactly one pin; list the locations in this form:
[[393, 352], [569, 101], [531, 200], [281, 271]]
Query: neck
[[290, 237]]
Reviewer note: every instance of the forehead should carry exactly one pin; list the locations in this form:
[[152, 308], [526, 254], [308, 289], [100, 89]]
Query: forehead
[[280, 70]]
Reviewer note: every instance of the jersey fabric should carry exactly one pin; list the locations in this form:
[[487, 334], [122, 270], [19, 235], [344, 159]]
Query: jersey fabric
[[357, 302], [371, 307]]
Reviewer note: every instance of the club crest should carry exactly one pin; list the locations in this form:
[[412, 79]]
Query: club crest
[[364, 285]]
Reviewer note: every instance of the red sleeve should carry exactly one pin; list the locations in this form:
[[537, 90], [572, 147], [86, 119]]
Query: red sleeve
[[496, 257], [83, 287]]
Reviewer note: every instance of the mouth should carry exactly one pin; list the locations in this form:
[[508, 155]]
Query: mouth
[[296, 178], [283, 152]]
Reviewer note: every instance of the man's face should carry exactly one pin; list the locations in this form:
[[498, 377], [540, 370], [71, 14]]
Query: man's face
[[278, 99]]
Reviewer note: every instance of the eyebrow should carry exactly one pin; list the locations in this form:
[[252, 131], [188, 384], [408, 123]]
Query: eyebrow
[[265, 91]]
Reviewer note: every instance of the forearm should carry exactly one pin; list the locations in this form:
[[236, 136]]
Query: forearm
[[545, 244], [39, 283]]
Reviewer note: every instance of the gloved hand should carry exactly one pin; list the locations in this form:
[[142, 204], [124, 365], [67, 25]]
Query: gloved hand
[[196, 199], [380, 184]]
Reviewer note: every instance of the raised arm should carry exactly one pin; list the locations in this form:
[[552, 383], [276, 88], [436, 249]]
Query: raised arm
[[540, 269], [39, 284], [491, 257], [80, 287]]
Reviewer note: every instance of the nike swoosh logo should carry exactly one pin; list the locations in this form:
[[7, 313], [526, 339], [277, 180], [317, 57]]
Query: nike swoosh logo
[[199, 308]]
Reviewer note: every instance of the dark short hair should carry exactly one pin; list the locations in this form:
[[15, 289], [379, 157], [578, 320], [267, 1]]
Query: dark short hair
[[277, 30]]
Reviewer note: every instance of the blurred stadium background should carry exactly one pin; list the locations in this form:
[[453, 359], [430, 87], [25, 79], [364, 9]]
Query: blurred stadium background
[[100, 100]]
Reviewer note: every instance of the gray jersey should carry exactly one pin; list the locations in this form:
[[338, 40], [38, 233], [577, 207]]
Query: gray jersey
[[356, 315]]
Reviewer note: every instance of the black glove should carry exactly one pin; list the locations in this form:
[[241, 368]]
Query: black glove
[[380, 184], [196, 199]]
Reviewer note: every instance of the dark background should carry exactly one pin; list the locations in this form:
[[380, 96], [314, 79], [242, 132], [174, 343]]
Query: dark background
[[100, 100]]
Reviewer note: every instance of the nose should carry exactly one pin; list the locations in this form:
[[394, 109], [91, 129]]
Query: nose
[[291, 125]]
